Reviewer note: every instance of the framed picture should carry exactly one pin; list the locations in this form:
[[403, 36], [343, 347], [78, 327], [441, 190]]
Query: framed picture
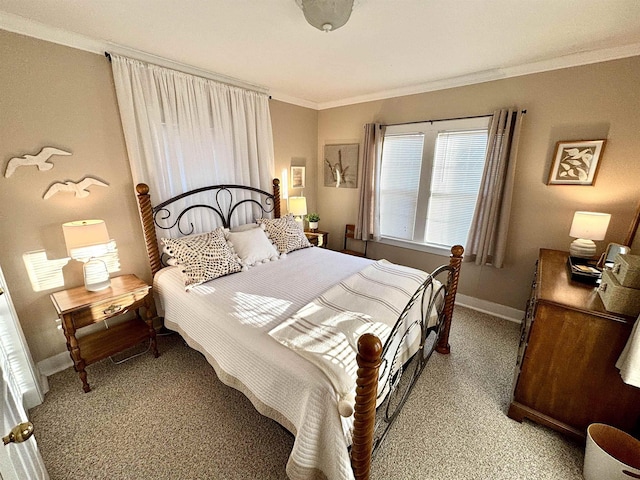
[[341, 165], [576, 162], [297, 177]]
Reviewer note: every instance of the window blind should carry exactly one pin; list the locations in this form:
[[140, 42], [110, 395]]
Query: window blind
[[399, 184], [459, 159]]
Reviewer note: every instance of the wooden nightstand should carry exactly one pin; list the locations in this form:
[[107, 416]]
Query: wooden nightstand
[[78, 308], [318, 238]]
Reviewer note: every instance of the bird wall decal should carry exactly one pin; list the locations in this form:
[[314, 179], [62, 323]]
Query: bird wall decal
[[39, 160], [80, 188]]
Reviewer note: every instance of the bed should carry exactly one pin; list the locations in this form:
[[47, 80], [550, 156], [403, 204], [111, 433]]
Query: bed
[[242, 324]]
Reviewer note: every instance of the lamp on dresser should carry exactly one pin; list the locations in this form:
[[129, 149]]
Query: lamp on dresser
[[585, 228], [86, 240]]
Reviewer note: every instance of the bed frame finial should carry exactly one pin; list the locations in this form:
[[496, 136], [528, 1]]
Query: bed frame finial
[[276, 197], [455, 261], [148, 227], [369, 360]]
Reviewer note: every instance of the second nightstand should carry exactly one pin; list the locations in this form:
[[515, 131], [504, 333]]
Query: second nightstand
[[78, 308], [318, 238]]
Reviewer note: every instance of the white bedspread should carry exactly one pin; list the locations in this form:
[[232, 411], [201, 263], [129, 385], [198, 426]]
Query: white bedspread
[[326, 330], [228, 320]]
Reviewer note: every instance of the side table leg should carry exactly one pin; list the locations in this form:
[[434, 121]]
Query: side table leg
[[149, 315], [72, 345]]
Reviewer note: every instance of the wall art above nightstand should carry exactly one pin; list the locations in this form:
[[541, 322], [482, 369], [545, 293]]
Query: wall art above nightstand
[[80, 188], [40, 160]]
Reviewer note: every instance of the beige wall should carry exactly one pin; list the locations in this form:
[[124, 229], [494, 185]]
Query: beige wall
[[61, 97], [589, 102], [295, 142], [58, 96]]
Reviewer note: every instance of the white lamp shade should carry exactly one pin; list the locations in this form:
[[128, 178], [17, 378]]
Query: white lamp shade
[[85, 240], [590, 225], [297, 206], [81, 234]]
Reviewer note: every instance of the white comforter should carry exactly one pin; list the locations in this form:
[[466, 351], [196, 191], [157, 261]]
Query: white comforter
[[326, 331], [228, 320]]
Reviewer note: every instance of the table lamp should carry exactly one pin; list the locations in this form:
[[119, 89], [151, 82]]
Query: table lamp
[[298, 208], [585, 228], [86, 240]]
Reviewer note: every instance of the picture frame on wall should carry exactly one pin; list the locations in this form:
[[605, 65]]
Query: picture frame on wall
[[341, 165], [576, 162], [297, 177]]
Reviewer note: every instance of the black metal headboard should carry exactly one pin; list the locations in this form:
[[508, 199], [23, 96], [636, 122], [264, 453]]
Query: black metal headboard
[[166, 219], [223, 207]]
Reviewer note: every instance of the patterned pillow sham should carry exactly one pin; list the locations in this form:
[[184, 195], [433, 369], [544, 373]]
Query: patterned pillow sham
[[285, 233], [252, 246], [203, 257]]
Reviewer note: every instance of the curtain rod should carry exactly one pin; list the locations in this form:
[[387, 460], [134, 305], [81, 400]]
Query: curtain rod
[[442, 119], [247, 87]]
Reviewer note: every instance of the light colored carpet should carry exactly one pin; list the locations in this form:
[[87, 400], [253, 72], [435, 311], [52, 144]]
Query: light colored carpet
[[171, 418]]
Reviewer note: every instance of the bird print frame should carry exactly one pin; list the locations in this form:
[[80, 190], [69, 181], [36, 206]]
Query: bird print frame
[[576, 162], [341, 165]]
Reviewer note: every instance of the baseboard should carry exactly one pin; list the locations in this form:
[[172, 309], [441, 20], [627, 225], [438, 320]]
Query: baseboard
[[55, 364], [495, 309], [62, 361]]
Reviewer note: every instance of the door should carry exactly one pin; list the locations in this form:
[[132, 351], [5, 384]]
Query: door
[[18, 461]]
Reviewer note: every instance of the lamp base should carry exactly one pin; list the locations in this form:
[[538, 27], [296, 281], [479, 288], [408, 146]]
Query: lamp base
[[96, 275], [582, 248]]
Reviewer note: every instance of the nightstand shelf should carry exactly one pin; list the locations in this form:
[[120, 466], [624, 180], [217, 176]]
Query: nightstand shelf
[[79, 308], [99, 345]]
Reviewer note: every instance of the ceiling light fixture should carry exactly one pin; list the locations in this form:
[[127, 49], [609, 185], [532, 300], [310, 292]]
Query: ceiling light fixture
[[326, 15]]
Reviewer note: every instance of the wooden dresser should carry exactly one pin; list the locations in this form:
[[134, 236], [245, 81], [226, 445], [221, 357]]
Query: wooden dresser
[[565, 374]]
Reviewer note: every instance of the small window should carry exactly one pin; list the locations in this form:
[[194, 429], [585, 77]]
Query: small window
[[430, 178]]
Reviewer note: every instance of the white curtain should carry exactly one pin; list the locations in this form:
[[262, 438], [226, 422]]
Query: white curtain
[[185, 132], [368, 226], [487, 241]]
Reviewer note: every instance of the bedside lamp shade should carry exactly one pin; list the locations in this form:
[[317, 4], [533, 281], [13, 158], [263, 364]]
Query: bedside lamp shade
[[85, 240], [298, 208], [586, 227]]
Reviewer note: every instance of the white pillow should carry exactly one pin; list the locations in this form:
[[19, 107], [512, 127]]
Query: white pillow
[[246, 226], [252, 246]]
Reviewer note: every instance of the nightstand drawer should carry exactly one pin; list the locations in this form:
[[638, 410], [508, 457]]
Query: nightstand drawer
[[109, 308]]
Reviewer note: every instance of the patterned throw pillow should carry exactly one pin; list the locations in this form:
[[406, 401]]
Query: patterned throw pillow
[[203, 257], [285, 233]]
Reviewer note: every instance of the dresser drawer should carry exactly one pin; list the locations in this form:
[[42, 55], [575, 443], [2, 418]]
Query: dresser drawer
[[107, 309]]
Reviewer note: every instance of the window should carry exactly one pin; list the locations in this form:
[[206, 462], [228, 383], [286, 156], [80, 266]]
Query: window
[[430, 178]]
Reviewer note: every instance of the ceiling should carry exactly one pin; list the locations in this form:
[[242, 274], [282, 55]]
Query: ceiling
[[387, 48]]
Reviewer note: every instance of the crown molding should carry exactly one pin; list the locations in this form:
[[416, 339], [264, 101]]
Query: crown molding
[[25, 26], [31, 28], [565, 61], [283, 97]]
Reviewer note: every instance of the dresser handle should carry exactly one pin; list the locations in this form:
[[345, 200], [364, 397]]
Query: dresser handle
[[112, 309], [616, 268], [603, 287]]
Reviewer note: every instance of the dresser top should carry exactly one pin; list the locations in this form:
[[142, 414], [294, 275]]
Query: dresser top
[[556, 286]]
